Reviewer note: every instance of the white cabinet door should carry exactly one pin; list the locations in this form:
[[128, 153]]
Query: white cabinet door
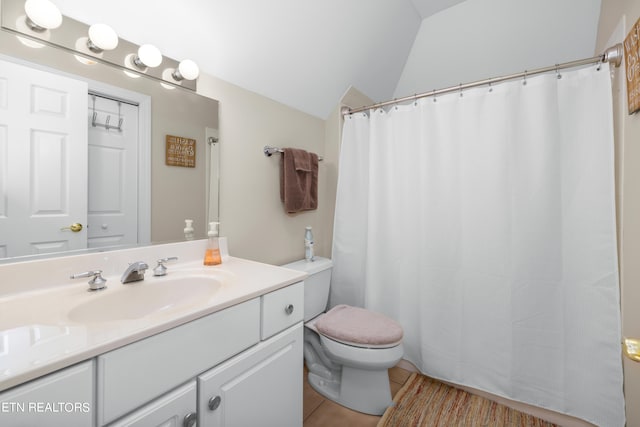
[[132, 375], [43, 161], [175, 409], [62, 399], [260, 387]]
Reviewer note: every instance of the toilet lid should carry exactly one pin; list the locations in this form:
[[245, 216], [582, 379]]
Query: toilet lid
[[359, 327]]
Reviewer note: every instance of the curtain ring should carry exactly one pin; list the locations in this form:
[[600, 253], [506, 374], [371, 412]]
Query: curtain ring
[[490, 86], [558, 75], [460, 87], [434, 96], [524, 81]]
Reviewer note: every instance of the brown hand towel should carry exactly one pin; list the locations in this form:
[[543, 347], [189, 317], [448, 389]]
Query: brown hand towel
[[298, 180]]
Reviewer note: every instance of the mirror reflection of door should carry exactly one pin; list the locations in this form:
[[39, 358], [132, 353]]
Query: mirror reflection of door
[[43, 156], [65, 184], [113, 172]]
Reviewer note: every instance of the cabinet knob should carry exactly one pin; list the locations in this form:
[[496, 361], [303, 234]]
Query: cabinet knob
[[190, 420], [214, 402], [289, 309]]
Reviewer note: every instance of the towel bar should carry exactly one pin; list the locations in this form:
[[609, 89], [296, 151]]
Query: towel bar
[[270, 151]]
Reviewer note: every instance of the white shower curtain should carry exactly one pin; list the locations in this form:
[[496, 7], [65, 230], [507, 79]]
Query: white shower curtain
[[484, 222]]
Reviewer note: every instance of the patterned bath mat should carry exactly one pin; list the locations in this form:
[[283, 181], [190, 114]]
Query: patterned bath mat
[[425, 402]]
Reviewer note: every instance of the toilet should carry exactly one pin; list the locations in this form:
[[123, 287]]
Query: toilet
[[347, 350]]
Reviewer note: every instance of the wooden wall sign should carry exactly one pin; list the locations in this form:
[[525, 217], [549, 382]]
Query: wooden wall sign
[[180, 152], [632, 59]]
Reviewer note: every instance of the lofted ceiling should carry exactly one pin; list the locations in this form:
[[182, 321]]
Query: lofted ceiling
[[426, 8], [300, 53]]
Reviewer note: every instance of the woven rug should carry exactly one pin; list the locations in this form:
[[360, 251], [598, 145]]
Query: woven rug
[[425, 402]]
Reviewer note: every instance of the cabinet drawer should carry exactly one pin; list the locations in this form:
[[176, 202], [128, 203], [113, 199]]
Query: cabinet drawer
[[281, 309], [137, 373], [64, 399]]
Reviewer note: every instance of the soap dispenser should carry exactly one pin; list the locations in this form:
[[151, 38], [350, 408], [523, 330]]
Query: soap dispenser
[[212, 254], [188, 229], [308, 244]]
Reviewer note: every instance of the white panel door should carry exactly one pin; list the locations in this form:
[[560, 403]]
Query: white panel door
[[43, 155], [113, 173]]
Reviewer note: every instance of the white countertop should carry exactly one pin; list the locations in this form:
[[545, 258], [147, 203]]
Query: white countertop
[[38, 336]]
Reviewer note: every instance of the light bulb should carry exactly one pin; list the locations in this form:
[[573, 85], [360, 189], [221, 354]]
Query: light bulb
[[42, 15], [148, 56], [102, 37], [187, 70]]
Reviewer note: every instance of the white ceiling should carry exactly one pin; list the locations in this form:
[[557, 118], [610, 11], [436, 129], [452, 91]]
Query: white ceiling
[[426, 8], [301, 53]]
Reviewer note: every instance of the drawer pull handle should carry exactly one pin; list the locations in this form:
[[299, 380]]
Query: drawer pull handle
[[190, 419], [214, 402], [289, 309]]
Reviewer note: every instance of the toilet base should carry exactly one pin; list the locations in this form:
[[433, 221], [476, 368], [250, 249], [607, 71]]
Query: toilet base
[[362, 390]]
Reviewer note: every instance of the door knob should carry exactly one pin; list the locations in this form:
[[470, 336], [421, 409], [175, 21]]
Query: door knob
[[631, 348], [75, 227]]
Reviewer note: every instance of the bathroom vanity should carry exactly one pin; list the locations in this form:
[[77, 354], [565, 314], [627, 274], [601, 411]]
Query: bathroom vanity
[[229, 355]]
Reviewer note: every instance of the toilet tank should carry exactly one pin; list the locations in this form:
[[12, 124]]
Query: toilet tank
[[316, 286]]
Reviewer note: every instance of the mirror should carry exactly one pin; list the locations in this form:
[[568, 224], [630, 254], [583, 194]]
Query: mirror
[[172, 193]]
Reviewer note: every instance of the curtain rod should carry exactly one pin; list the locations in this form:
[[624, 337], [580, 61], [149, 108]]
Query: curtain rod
[[613, 55]]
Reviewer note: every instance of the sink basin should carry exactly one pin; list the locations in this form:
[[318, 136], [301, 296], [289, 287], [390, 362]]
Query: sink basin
[[151, 297]]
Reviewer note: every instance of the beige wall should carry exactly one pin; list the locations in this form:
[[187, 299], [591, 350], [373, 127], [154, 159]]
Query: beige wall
[[616, 17], [251, 213]]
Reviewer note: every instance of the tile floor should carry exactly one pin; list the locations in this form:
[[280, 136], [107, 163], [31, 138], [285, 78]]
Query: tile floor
[[320, 412]]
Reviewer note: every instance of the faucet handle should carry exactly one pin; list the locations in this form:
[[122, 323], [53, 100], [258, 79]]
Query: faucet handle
[[96, 283], [160, 269]]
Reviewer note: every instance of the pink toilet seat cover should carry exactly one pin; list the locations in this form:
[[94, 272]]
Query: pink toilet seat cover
[[359, 326]]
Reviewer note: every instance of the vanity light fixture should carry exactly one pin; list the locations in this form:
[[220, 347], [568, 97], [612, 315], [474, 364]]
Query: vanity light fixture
[[187, 70], [34, 23], [101, 37], [42, 15], [148, 56]]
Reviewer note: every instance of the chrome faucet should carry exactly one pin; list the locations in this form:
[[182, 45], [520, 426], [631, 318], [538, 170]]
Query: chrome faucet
[[134, 272]]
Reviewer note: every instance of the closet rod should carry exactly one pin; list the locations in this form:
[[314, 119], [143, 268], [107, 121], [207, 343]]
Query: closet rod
[[613, 55]]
